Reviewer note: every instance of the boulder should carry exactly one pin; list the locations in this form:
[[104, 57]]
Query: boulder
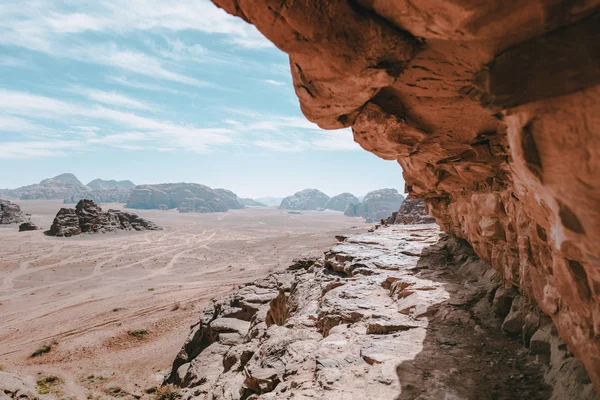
[[10, 213], [28, 226]]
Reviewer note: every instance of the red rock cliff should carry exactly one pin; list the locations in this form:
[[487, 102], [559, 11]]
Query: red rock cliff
[[492, 110]]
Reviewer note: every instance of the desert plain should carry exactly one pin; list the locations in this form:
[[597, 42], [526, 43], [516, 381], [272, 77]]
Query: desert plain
[[114, 309]]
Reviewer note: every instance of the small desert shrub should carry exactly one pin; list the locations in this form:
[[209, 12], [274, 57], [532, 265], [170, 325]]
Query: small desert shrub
[[115, 391], [48, 384], [167, 392], [43, 350], [138, 333], [151, 289], [176, 306]]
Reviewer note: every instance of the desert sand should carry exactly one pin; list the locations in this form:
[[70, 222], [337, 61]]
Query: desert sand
[[85, 296]]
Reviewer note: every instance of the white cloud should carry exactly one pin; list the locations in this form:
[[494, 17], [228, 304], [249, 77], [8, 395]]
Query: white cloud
[[123, 81], [34, 149], [274, 82], [112, 98], [184, 136]]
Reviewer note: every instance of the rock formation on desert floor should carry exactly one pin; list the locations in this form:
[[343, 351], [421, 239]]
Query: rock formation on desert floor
[[88, 217], [10, 213], [491, 109]]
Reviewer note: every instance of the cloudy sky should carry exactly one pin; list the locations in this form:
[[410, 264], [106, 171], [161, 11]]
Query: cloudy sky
[[161, 91]]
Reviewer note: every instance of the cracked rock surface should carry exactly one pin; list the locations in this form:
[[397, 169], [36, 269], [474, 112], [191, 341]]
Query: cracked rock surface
[[392, 314]]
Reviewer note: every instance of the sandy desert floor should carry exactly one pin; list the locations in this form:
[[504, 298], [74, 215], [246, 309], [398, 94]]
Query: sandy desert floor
[[85, 296]]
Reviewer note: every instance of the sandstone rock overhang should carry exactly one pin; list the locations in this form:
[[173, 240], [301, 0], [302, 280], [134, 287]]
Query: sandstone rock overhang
[[491, 109]]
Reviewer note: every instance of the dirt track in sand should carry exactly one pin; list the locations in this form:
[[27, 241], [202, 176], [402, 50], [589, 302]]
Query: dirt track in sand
[[86, 293]]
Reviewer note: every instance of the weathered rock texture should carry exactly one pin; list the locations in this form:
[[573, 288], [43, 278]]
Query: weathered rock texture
[[10, 213], [13, 386], [377, 205], [307, 199], [186, 197], [383, 315], [88, 217], [491, 109], [341, 202], [411, 212]]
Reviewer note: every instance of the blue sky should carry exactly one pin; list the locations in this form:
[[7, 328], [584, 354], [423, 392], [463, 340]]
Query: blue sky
[[160, 91]]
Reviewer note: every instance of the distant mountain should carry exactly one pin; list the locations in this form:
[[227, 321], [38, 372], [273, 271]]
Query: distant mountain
[[270, 201], [250, 202], [101, 184], [377, 205], [58, 187], [68, 188], [341, 202], [186, 197], [307, 199], [115, 195]]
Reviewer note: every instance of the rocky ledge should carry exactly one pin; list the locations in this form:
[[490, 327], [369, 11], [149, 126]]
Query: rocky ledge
[[396, 313], [10, 213], [88, 217], [492, 112]]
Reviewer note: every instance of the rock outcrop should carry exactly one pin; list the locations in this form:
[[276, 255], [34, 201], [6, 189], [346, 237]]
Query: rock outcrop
[[88, 217], [376, 205], [383, 315], [412, 212], [10, 213], [13, 386], [28, 226], [247, 202], [186, 197], [341, 202], [490, 109], [307, 199]]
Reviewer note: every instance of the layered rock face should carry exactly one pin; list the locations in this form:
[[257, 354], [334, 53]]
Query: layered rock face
[[341, 202], [307, 199], [490, 109], [10, 213], [88, 217], [187, 197], [377, 205], [412, 212]]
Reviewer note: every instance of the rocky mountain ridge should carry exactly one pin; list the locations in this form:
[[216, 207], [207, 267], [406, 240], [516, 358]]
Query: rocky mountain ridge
[[307, 199], [341, 202], [186, 197], [68, 188]]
